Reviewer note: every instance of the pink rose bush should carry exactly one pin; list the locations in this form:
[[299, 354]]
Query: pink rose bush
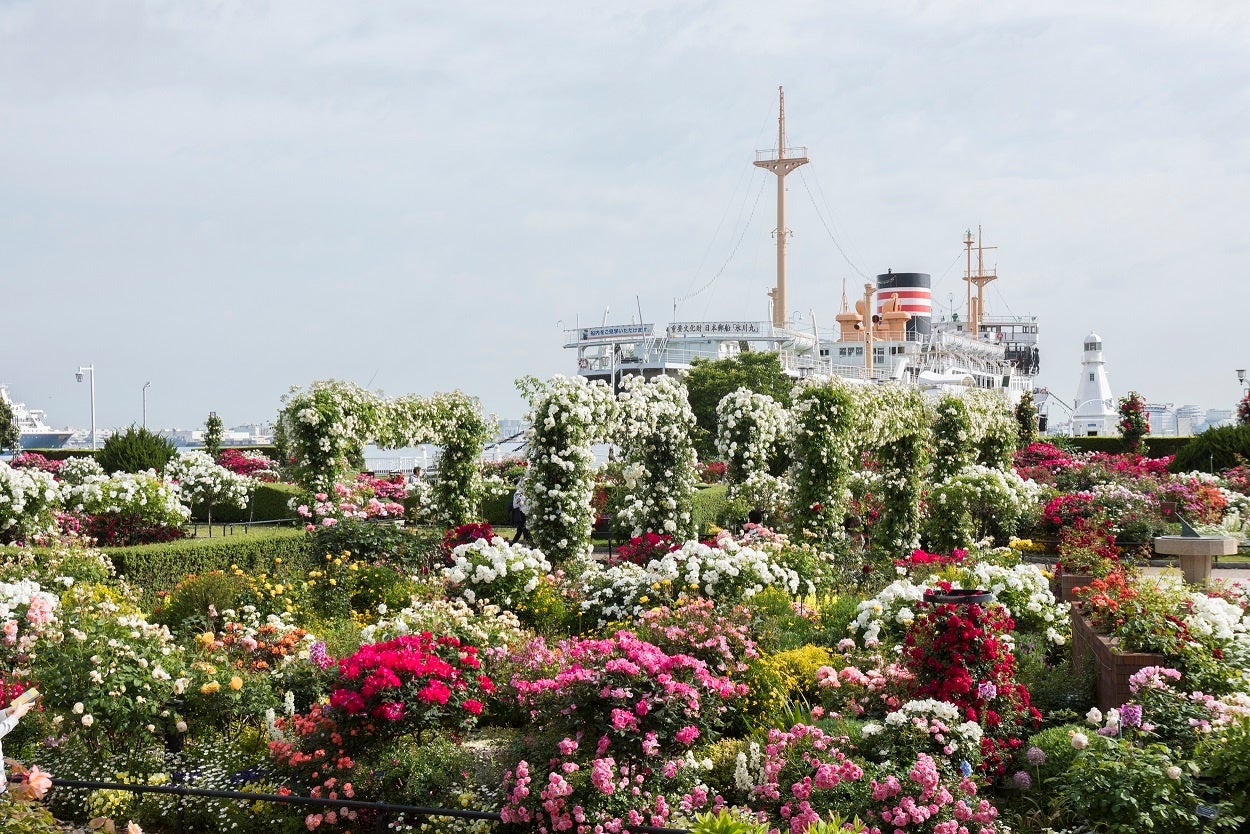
[[631, 713], [366, 497]]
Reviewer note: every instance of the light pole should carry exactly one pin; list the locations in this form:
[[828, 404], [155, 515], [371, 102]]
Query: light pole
[[89, 369], [146, 386], [1241, 376]]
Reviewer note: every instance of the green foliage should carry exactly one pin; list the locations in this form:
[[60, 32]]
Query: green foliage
[[27, 817], [424, 771], [190, 601], [270, 502], [823, 420], [1225, 758], [10, 434], [709, 507], [1121, 789], [378, 541], [708, 381], [952, 436], [1026, 420], [1215, 450], [135, 450], [800, 665], [726, 821], [160, 567], [213, 430]]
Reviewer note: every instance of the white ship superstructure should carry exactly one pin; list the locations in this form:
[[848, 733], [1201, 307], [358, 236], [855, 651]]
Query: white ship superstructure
[[887, 335], [35, 432]]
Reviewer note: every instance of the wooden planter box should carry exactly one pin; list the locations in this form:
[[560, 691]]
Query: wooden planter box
[[1068, 582], [1113, 668]]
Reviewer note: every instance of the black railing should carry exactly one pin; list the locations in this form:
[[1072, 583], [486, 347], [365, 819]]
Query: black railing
[[384, 810]]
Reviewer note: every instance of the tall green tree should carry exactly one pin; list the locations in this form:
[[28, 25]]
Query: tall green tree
[[709, 380], [10, 435]]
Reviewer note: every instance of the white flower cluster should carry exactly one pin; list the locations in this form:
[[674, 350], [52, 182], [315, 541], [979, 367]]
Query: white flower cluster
[[496, 570], [748, 428], [892, 610], [979, 501], [485, 626], [1215, 618], [656, 427], [144, 494], [76, 470], [201, 481], [27, 497], [566, 417], [1025, 591], [729, 573], [930, 716]]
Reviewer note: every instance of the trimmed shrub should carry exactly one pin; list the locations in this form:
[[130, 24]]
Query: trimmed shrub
[[160, 567], [1154, 447], [270, 502], [709, 506], [135, 450], [1215, 450]]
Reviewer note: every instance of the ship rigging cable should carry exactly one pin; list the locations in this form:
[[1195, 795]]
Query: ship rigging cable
[[821, 218], [721, 271]]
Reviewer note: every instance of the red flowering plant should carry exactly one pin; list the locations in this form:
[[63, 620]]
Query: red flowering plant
[[1042, 462], [712, 472], [642, 549], [1243, 410], [1237, 479], [465, 534], [1199, 501], [319, 755], [630, 713], [252, 464], [961, 654], [920, 563], [1065, 510], [1087, 547], [1141, 614]]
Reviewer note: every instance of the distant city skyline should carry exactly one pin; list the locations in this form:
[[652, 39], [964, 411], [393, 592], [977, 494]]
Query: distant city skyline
[[230, 199]]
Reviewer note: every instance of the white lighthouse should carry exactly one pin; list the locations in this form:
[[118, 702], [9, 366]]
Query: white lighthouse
[[1095, 407]]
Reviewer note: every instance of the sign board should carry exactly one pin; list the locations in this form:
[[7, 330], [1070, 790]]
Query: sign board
[[614, 332], [732, 329]]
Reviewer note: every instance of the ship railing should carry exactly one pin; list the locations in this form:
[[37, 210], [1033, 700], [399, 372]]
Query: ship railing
[[771, 154]]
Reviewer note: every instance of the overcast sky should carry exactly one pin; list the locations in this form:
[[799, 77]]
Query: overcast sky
[[228, 199]]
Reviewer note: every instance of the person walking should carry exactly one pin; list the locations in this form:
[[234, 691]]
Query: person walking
[[519, 506]]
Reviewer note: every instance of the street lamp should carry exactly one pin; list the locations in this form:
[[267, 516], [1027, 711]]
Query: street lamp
[[146, 386], [89, 369], [1241, 376]]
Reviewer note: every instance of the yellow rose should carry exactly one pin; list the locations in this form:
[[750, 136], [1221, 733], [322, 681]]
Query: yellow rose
[[236, 683], [210, 688]]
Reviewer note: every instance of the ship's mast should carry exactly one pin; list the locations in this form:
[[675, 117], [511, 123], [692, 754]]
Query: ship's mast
[[781, 162], [976, 306]]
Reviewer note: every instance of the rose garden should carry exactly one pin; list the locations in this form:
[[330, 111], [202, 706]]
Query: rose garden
[[847, 618]]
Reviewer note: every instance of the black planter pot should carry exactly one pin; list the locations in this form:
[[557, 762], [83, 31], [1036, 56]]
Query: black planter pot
[[958, 596]]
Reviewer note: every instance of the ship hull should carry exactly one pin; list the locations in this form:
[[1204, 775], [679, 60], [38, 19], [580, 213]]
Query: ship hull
[[45, 440]]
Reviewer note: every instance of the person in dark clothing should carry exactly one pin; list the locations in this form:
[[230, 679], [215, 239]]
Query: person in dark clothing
[[518, 515]]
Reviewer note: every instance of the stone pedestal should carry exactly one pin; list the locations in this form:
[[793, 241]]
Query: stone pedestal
[[1112, 667], [1196, 554]]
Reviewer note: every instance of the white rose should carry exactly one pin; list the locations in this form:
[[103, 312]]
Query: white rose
[[88, 720]]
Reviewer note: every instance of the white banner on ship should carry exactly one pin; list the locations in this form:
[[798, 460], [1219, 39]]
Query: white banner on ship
[[717, 328]]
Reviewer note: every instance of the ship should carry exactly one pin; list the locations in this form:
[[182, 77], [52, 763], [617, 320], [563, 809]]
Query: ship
[[888, 335], [35, 432]]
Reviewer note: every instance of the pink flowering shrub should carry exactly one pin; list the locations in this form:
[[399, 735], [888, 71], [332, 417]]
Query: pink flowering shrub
[[803, 774], [630, 713], [366, 498], [694, 627], [866, 689], [34, 460], [250, 463]]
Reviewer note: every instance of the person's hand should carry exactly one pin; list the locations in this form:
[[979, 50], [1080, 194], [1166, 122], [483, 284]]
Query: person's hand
[[21, 709]]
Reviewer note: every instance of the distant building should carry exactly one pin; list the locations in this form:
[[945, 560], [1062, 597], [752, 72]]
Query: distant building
[[1162, 419]]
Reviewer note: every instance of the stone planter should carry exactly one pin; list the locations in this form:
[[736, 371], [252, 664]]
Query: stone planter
[[1068, 582], [1112, 667]]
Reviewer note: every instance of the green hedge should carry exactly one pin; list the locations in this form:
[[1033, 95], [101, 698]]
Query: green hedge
[[1156, 447], [159, 567], [270, 502], [497, 509], [709, 502]]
